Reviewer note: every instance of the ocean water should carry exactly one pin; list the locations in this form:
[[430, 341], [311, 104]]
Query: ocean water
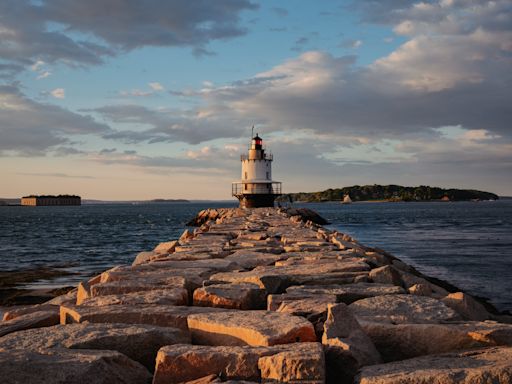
[[467, 244]]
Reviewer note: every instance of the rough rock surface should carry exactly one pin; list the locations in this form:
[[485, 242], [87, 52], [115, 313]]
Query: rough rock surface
[[65, 366], [249, 328], [139, 342], [305, 364], [252, 259], [234, 296], [386, 275], [169, 296], [466, 306], [402, 309], [347, 347], [161, 315], [30, 320], [348, 293], [15, 312], [493, 365], [404, 341], [210, 287], [184, 363]]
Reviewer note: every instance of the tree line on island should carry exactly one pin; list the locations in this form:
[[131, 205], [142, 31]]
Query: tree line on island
[[390, 193]]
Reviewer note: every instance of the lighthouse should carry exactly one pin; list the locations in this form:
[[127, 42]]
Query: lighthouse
[[256, 189]]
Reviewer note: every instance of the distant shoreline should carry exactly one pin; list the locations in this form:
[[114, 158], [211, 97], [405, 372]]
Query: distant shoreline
[[390, 193], [398, 201]]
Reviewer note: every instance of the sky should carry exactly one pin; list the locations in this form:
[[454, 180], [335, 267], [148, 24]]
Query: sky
[[132, 99]]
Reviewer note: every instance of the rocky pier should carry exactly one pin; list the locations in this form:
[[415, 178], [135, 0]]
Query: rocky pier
[[258, 296]]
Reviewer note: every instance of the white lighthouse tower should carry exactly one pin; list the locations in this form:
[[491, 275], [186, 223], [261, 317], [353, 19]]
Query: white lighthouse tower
[[256, 189]]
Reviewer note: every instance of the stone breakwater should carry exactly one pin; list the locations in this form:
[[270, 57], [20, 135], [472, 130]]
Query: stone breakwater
[[260, 295]]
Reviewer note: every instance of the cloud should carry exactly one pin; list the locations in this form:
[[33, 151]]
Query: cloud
[[166, 164], [136, 93], [58, 93], [67, 151], [31, 128], [351, 43], [164, 125], [154, 89], [39, 68], [156, 86], [453, 70], [456, 74], [54, 174], [37, 65], [43, 75], [10, 70], [85, 33]]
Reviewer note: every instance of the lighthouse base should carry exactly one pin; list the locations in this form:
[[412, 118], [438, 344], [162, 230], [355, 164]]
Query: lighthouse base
[[256, 200]]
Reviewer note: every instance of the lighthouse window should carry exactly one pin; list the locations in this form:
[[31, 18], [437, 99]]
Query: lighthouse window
[[245, 175], [245, 187], [267, 176]]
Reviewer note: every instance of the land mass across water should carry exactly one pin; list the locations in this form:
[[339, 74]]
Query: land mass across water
[[153, 201], [390, 193]]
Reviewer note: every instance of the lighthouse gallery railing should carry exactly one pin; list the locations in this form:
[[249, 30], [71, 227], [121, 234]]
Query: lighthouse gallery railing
[[241, 188]]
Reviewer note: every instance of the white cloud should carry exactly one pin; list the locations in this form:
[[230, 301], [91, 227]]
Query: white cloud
[[39, 68], [136, 93], [43, 75], [478, 135], [35, 67], [357, 44], [156, 86], [58, 93], [201, 153]]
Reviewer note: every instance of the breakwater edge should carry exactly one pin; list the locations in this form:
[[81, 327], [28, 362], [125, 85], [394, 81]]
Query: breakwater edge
[[262, 295]]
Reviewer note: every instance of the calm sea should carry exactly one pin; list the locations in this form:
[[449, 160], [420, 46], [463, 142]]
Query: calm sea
[[467, 244]]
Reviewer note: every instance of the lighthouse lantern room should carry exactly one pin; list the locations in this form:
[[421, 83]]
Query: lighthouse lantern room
[[256, 189]]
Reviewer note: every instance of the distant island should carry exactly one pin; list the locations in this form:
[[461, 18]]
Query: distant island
[[390, 193], [169, 201], [48, 200], [136, 202]]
